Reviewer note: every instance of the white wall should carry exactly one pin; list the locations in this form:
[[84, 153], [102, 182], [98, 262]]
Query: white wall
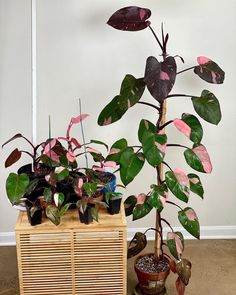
[[79, 56]]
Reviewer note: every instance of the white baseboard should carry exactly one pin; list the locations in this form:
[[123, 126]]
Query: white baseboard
[[207, 232]]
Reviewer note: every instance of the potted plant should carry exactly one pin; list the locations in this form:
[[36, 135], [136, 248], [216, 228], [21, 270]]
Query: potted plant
[[159, 79], [113, 200], [51, 183]]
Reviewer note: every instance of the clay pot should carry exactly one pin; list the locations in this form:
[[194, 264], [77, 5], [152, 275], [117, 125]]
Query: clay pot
[[151, 283]]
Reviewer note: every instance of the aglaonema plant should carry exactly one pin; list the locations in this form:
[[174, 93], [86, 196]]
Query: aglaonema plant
[[159, 78]]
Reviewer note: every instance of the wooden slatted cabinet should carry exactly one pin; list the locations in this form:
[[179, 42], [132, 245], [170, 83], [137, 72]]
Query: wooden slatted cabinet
[[72, 258]]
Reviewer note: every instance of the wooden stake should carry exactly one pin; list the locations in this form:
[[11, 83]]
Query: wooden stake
[[157, 246]]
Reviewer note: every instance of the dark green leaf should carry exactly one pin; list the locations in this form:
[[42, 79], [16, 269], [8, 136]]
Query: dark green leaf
[[94, 213], [196, 185], [196, 131], [61, 199], [141, 210], [116, 150], [193, 160], [129, 205], [31, 186], [180, 190], [207, 107], [52, 214], [131, 91], [209, 71], [13, 158], [144, 126], [189, 221], [62, 175], [131, 18], [130, 165], [16, 186], [90, 188], [64, 209], [154, 147]]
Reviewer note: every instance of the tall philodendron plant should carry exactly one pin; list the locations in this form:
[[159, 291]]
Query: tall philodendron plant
[[159, 78]]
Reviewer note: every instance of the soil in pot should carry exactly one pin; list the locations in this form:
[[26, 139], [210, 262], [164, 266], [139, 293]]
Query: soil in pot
[[34, 213], [114, 206], [152, 274], [86, 217]]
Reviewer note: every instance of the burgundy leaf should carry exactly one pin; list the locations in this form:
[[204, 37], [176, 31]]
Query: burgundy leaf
[[160, 77], [131, 18], [18, 135], [209, 71], [180, 287], [183, 269], [13, 158]]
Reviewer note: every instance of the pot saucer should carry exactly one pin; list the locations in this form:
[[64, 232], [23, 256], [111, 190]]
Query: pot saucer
[[137, 291]]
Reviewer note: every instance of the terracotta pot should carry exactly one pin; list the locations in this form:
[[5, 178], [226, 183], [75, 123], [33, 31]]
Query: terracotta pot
[[151, 283]]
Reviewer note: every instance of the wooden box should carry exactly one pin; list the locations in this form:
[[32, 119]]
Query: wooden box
[[72, 258]]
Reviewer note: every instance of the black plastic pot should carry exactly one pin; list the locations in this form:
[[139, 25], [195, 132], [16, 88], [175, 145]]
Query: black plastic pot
[[86, 217], [36, 218], [114, 206]]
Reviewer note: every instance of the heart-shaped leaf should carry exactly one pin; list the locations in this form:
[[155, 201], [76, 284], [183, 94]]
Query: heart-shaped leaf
[[64, 209], [160, 76], [158, 196], [190, 126], [131, 91], [175, 243], [131, 18], [183, 269], [62, 175], [180, 286], [198, 159], [154, 147], [129, 205], [209, 71], [178, 182], [116, 150], [196, 185], [189, 221], [130, 165], [13, 158], [47, 193], [144, 126], [52, 213], [141, 210], [16, 186], [207, 107]]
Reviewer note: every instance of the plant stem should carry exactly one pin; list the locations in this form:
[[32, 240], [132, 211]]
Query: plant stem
[[172, 203], [167, 123], [149, 104], [185, 70], [167, 165], [82, 131], [178, 145], [158, 41], [162, 219], [179, 95]]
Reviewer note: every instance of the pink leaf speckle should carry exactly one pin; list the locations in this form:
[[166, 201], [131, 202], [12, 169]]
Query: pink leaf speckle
[[183, 180], [202, 154], [142, 13], [140, 199], [107, 121], [190, 213], [110, 164], [213, 74], [114, 151], [182, 127], [203, 60], [164, 76]]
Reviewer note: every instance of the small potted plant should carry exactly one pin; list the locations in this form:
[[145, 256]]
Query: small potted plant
[[159, 78], [51, 182], [113, 200]]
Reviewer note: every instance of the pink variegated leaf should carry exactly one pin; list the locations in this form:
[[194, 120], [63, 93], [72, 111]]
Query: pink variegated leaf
[[92, 150], [178, 182], [48, 147], [182, 127], [53, 156], [78, 119], [175, 243], [209, 71], [70, 156], [189, 221], [198, 159], [78, 186]]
